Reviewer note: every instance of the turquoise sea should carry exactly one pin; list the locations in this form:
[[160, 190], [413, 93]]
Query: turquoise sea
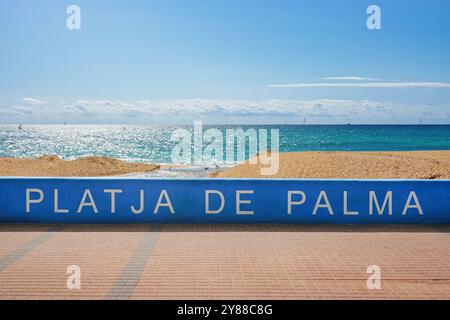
[[153, 144]]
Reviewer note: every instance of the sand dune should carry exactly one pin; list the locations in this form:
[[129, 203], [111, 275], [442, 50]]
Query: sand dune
[[54, 166], [353, 165]]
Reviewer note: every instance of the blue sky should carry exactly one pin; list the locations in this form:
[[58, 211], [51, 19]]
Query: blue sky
[[223, 61]]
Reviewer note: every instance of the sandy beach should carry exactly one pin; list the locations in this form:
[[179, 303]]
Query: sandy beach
[[353, 165], [48, 166], [356, 165]]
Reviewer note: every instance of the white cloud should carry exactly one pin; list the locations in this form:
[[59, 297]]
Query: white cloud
[[33, 101], [351, 78], [390, 85], [223, 111]]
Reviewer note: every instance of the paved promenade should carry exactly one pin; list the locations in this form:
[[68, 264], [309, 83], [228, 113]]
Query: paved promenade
[[224, 261]]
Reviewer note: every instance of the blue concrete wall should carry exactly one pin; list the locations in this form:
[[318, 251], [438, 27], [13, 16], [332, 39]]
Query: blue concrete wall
[[269, 201]]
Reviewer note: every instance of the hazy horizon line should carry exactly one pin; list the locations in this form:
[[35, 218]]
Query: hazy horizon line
[[226, 124]]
